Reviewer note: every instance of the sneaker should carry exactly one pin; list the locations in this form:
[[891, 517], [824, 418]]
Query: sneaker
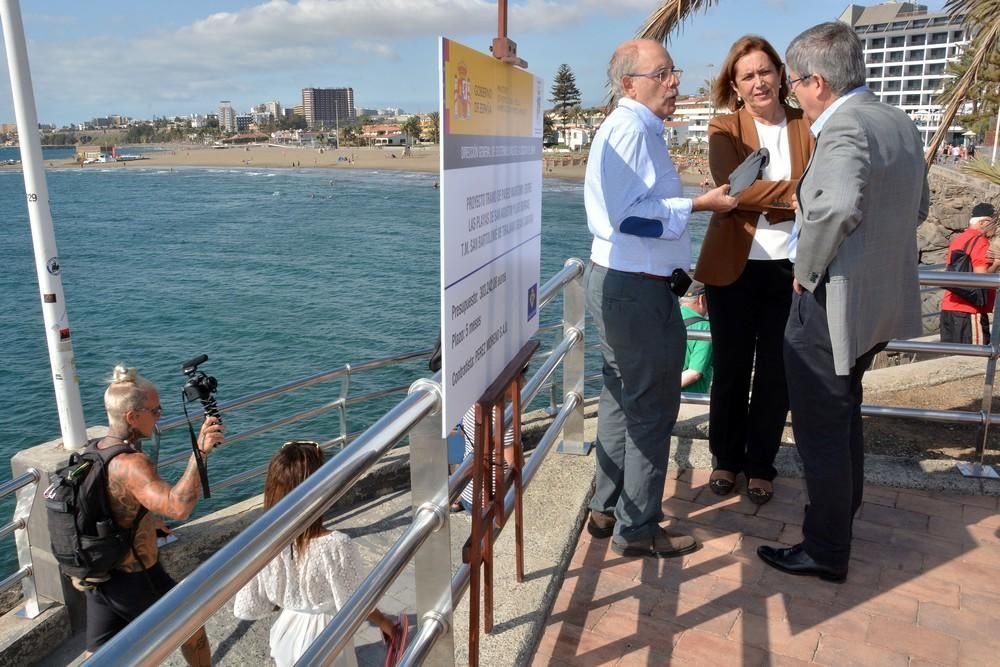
[[601, 524], [661, 545]]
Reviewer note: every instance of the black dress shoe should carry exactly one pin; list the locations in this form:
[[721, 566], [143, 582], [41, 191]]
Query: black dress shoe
[[795, 560]]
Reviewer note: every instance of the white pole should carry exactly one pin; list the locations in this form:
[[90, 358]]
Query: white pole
[[57, 332], [996, 136]]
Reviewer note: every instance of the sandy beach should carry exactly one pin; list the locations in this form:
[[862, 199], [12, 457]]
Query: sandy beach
[[422, 159]]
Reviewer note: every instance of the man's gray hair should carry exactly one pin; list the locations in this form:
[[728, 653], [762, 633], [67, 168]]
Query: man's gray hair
[[831, 50], [127, 391], [623, 61]]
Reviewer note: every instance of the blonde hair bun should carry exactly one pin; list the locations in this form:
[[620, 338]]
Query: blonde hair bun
[[122, 374]]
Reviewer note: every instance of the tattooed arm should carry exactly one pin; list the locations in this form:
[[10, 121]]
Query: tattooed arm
[[133, 481]]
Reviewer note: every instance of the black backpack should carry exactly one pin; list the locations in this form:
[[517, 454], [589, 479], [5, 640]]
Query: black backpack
[[961, 261], [86, 541]]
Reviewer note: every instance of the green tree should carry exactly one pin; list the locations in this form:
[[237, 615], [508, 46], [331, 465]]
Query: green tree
[[411, 128], [435, 127], [565, 94]]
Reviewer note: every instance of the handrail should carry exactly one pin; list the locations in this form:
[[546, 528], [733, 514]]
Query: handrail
[[336, 635], [176, 616], [29, 476], [164, 626], [307, 381], [431, 630], [149, 639], [13, 579]]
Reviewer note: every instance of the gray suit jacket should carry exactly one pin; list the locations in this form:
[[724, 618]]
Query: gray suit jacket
[[860, 201]]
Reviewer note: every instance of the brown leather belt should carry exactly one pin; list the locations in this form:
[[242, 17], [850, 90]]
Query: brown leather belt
[[653, 276]]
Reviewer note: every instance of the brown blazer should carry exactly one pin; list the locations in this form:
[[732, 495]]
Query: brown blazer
[[731, 138]]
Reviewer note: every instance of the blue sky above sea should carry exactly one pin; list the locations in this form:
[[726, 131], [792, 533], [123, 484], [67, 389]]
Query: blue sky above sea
[[182, 57]]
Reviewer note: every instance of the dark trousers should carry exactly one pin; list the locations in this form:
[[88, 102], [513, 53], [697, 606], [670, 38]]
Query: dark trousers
[[643, 340], [748, 324], [826, 420], [959, 327]]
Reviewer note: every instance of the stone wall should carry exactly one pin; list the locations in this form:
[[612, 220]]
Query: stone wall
[[953, 194]]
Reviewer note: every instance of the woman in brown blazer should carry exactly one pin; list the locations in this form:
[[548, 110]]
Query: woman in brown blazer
[[745, 267]]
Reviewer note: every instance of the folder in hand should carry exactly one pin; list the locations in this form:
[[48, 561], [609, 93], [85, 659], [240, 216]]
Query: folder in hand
[[749, 171]]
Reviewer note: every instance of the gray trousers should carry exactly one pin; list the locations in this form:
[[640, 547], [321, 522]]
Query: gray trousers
[[642, 341]]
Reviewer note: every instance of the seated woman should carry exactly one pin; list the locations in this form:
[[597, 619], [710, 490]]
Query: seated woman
[[312, 579]]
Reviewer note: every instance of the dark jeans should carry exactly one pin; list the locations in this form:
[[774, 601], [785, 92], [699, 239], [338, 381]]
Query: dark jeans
[[748, 321], [643, 341], [826, 420]]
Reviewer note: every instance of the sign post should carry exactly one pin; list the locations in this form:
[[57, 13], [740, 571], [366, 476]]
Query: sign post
[[491, 204]]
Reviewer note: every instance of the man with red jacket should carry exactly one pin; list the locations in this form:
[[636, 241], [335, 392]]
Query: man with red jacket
[[961, 320]]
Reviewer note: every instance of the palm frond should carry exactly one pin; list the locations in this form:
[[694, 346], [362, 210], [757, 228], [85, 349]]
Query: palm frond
[[982, 17], [662, 22], [669, 16], [981, 168]]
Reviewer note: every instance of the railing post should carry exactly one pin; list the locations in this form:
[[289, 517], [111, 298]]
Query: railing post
[[574, 317], [22, 511], [979, 469], [432, 563]]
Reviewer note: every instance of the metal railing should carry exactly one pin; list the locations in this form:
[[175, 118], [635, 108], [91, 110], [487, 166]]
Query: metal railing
[[984, 418], [426, 541], [24, 486], [153, 636]]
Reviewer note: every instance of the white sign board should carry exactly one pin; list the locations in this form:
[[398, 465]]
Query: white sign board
[[491, 220]]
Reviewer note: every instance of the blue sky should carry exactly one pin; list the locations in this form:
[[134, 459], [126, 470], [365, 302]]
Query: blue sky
[[174, 58]]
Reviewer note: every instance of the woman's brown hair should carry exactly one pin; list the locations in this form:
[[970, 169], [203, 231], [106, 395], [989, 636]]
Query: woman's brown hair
[[723, 94], [288, 468]]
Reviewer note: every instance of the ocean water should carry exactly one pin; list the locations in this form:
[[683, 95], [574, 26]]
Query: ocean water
[[275, 274]]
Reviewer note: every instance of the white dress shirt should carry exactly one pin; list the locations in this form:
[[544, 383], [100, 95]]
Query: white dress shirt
[[633, 196]]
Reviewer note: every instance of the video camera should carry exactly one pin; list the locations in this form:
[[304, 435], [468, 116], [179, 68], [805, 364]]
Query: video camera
[[201, 387]]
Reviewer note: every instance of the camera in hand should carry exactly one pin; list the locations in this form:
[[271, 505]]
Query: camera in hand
[[679, 282], [201, 387]]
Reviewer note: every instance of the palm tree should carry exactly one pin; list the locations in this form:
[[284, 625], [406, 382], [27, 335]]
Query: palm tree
[[982, 19], [669, 16]]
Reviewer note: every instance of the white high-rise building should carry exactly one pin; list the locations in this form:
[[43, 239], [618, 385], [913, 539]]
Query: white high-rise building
[[907, 50], [227, 117]]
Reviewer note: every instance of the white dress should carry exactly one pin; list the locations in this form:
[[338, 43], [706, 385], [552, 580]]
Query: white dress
[[310, 589]]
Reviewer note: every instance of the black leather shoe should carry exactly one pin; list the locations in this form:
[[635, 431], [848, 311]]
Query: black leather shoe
[[601, 525], [795, 560]]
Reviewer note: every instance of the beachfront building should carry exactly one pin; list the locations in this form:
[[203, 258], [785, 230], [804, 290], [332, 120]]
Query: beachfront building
[[675, 133], [226, 116], [574, 137], [243, 122], [695, 112], [907, 50], [327, 107]]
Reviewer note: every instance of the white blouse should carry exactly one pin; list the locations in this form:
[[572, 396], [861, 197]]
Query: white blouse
[[310, 589], [771, 241]]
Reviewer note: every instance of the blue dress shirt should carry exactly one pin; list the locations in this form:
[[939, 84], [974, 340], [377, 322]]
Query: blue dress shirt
[[633, 196]]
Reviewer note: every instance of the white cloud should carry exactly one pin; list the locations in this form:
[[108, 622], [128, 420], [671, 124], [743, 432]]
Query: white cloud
[[225, 53]]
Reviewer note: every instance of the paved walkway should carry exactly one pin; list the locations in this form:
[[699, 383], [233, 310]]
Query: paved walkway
[[923, 588]]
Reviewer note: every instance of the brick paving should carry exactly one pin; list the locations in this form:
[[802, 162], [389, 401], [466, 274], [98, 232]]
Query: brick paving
[[923, 589]]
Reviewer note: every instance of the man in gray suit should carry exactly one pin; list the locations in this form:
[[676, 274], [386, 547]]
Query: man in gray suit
[[860, 201]]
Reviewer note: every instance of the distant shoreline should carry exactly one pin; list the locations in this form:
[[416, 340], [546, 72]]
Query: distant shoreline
[[424, 159]]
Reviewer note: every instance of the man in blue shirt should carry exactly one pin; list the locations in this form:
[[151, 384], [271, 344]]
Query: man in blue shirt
[[638, 216]]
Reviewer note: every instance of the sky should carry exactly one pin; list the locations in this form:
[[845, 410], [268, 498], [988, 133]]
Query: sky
[[145, 59]]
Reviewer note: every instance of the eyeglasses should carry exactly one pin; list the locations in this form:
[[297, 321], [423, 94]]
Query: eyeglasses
[[661, 75], [156, 412], [791, 84], [301, 443]]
